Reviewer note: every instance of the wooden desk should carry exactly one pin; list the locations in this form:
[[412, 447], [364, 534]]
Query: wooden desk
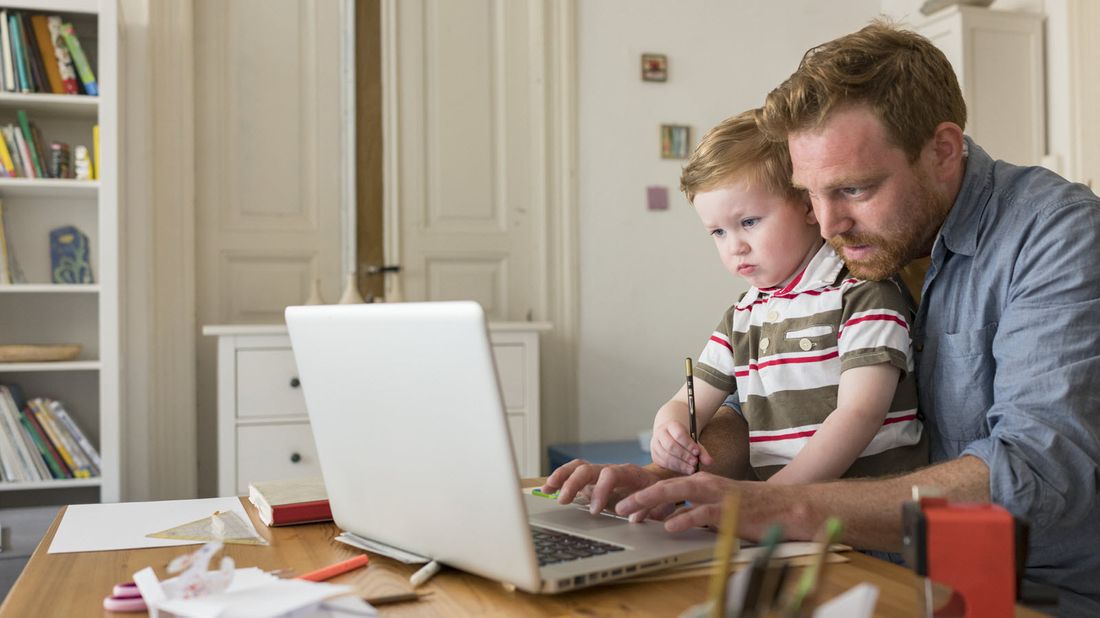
[[75, 584]]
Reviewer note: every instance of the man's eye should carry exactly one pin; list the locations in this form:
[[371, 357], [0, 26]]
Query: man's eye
[[749, 222], [853, 191]]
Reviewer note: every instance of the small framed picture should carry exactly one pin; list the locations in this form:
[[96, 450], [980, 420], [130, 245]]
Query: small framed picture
[[654, 67], [674, 141]]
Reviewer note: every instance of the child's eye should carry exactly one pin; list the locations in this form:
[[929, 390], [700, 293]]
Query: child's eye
[[749, 222], [718, 233]]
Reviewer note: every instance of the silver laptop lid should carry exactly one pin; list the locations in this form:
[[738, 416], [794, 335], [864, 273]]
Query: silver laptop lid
[[411, 432]]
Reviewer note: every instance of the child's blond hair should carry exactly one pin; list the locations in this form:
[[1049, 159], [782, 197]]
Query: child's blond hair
[[738, 150]]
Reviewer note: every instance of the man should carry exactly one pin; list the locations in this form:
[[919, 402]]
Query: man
[[1006, 334]]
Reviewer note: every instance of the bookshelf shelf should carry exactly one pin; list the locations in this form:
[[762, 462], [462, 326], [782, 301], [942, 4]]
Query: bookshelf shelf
[[88, 365], [48, 187], [49, 288], [72, 105], [54, 484]]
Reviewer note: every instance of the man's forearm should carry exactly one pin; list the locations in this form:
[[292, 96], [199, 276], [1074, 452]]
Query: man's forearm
[[870, 509]]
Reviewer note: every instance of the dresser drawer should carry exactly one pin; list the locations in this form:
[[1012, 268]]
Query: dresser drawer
[[267, 384], [274, 452]]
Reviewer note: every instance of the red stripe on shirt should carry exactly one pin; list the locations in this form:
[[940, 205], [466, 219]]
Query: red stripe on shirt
[[786, 361], [722, 341], [873, 317], [810, 432]]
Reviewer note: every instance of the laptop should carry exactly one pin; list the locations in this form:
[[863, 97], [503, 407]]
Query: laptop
[[413, 442]]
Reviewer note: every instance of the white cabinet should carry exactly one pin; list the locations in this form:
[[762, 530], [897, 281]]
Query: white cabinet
[[263, 429], [998, 58]]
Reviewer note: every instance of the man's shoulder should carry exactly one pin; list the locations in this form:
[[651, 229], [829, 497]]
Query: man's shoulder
[[1038, 190]]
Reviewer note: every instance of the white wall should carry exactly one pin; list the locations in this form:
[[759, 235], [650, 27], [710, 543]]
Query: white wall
[[652, 288]]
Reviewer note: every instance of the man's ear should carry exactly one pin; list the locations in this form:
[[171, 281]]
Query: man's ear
[[811, 218], [946, 151]]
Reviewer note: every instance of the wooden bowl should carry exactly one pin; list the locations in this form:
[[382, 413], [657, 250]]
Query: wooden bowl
[[19, 353]]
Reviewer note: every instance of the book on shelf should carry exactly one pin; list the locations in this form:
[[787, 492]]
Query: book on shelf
[[292, 501], [43, 53], [40, 441], [5, 265], [26, 153]]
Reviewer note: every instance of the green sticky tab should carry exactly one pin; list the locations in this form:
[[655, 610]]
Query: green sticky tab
[[542, 494]]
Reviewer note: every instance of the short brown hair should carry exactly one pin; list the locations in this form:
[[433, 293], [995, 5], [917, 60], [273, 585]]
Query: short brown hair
[[903, 78], [738, 149]]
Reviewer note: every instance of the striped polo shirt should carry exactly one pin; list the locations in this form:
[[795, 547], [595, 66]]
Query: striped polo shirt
[[783, 350]]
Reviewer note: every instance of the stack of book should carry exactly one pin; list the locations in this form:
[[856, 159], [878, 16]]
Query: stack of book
[[39, 441], [24, 153], [41, 53], [290, 501]]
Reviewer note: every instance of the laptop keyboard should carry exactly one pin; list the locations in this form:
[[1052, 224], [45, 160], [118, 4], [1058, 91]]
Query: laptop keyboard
[[553, 547]]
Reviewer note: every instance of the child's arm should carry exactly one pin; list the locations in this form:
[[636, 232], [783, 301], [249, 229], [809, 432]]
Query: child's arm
[[671, 446], [863, 399]]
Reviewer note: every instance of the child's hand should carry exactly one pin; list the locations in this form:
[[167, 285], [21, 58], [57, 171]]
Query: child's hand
[[672, 448]]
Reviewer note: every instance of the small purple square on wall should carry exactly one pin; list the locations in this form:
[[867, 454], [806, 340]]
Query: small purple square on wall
[[656, 198]]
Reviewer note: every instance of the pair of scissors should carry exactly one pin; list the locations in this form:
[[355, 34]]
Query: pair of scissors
[[125, 598]]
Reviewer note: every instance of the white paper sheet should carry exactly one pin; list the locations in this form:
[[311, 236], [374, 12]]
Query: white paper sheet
[[104, 527]]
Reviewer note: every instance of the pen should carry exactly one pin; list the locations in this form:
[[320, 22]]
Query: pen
[[390, 599], [333, 570], [691, 405], [426, 572], [829, 534]]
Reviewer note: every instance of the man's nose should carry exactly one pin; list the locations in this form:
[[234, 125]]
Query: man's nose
[[833, 217]]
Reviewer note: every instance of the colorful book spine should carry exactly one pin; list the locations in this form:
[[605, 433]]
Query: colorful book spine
[[95, 152], [20, 61], [42, 414], [24, 152], [5, 53], [13, 147], [5, 265], [83, 69], [28, 136], [54, 469], [30, 52], [52, 456], [82, 462], [46, 52], [24, 459], [61, 54], [40, 150], [5, 158], [82, 441]]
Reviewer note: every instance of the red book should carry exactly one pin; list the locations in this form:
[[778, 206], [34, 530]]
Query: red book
[[297, 501]]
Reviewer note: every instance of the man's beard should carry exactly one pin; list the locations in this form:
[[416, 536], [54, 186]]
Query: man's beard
[[905, 241]]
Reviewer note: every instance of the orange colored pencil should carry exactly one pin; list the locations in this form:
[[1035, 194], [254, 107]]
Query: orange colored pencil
[[333, 570]]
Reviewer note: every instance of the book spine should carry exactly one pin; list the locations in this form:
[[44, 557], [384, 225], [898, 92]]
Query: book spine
[[24, 152], [42, 471], [5, 265], [83, 465], [5, 158], [83, 69], [47, 423], [51, 465], [7, 456], [13, 148], [55, 455], [24, 461], [47, 54], [95, 152], [28, 136], [82, 441], [17, 47], [30, 50], [64, 60], [40, 150], [5, 53]]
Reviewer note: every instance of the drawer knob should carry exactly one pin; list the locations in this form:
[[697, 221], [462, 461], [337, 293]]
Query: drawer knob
[[295, 458], [295, 382]]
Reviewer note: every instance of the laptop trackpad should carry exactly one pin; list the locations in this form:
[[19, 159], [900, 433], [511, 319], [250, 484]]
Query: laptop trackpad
[[576, 519]]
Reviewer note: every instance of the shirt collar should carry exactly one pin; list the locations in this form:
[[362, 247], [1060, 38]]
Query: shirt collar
[[960, 230], [824, 268]]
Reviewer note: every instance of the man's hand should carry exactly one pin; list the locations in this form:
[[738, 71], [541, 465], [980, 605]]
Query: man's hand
[[604, 483], [672, 448], [703, 490]]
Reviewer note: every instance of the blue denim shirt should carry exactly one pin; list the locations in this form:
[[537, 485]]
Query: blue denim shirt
[[1008, 350]]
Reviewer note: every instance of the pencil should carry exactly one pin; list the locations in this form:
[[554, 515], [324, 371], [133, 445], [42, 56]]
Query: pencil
[[333, 570], [691, 405]]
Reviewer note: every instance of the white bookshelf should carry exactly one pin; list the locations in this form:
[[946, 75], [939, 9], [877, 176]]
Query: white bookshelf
[[41, 312]]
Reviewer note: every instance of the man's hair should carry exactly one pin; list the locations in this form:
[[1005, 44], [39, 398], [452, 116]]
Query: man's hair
[[903, 78], [737, 149]]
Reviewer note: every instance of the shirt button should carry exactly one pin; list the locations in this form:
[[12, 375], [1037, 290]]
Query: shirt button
[[805, 344], [764, 343], [773, 316]]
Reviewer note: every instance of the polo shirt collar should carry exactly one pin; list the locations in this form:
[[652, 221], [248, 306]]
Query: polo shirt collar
[[824, 268], [960, 230]]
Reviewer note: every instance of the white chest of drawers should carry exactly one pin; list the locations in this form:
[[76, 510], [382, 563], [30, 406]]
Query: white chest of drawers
[[263, 429]]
